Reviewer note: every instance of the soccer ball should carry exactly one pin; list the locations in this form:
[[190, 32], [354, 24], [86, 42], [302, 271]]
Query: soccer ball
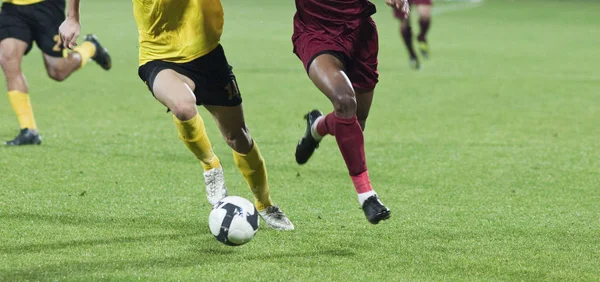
[[233, 221]]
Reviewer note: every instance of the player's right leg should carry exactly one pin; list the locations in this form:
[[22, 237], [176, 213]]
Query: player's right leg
[[15, 42], [175, 92], [328, 73], [59, 67], [424, 23], [45, 34]]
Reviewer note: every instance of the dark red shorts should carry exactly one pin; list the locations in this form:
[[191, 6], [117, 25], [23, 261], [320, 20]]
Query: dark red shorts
[[400, 15], [358, 48], [420, 2]]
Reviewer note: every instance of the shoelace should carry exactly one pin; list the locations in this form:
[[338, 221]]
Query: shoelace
[[276, 212]]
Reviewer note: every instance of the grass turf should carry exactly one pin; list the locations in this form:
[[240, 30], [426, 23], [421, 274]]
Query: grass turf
[[488, 158]]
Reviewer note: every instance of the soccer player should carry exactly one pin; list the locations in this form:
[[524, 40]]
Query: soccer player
[[424, 8], [183, 64], [23, 22], [337, 42]]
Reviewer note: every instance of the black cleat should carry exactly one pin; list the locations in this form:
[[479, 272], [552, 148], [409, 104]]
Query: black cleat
[[101, 57], [374, 210], [307, 145], [25, 137]]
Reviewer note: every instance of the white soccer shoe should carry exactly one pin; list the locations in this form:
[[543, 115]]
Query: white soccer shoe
[[276, 219], [215, 185]]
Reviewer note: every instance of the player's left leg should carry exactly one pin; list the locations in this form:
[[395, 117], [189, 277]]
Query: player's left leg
[[424, 24], [364, 99], [329, 75], [59, 68], [12, 51], [250, 162]]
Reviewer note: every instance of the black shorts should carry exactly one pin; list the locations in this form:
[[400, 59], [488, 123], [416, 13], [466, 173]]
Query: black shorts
[[213, 76], [37, 22]]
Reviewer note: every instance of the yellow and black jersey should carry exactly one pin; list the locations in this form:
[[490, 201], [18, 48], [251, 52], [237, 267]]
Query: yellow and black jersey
[[177, 30]]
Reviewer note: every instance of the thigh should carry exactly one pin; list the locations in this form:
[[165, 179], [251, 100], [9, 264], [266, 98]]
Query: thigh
[[149, 72], [308, 45], [48, 17], [171, 90], [12, 50], [362, 69], [13, 28], [328, 73], [424, 11]]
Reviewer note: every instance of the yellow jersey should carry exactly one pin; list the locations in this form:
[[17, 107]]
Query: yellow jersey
[[23, 2], [177, 30]]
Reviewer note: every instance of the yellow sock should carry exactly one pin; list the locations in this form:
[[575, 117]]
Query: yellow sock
[[22, 107], [252, 166], [193, 135], [86, 50]]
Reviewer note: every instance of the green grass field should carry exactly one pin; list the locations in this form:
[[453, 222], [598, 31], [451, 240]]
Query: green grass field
[[489, 158]]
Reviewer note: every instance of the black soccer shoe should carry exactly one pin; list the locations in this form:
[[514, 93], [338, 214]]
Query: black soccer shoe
[[307, 145], [25, 137], [374, 210], [101, 57]]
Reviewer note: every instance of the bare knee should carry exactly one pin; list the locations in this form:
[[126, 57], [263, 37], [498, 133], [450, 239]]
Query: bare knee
[[10, 63], [239, 140], [56, 74], [344, 105], [184, 110]]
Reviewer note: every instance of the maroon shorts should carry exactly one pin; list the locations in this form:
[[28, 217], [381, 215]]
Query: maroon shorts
[[420, 2], [358, 49], [399, 14]]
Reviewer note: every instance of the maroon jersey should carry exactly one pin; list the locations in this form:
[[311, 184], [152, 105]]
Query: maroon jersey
[[332, 16]]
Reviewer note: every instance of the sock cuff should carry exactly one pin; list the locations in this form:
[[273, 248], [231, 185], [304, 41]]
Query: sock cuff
[[189, 130], [345, 120], [16, 92], [254, 152], [87, 47], [185, 122], [361, 177], [250, 160]]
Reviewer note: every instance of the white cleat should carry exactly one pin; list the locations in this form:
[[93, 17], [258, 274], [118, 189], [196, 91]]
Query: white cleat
[[276, 219], [215, 185]]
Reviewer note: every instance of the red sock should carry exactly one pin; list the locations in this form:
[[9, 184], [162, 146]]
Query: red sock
[[326, 125], [350, 140], [362, 183]]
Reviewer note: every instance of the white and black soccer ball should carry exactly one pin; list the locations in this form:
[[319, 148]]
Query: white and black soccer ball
[[233, 221]]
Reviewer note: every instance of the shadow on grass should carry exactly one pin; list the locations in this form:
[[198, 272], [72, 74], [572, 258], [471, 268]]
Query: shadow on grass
[[196, 257], [45, 247], [113, 222], [195, 248], [171, 229]]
